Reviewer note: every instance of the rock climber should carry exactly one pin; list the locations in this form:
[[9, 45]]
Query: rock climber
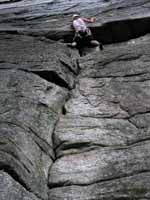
[[82, 32]]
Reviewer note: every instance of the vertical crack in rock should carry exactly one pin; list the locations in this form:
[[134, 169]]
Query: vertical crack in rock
[[97, 143], [64, 111]]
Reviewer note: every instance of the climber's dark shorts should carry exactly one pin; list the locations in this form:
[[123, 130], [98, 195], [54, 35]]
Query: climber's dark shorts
[[83, 36]]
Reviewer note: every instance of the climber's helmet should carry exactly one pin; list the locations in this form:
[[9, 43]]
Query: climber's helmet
[[75, 16]]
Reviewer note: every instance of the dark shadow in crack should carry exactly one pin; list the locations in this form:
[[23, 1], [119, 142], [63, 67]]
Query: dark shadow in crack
[[120, 31], [9, 1], [52, 77]]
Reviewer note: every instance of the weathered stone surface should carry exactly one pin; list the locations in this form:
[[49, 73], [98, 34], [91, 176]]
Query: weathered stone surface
[[52, 61], [79, 134], [35, 77], [27, 120], [100, 165], [22, 158], [103, 140], [116, 20], [27, 100], [75, 130], [10, 189], [113, 84], [132, 187]]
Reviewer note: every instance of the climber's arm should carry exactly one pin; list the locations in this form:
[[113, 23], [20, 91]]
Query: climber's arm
[[89, 20]]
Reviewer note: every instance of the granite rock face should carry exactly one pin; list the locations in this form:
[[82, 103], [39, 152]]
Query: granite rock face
[[71, 127], [12, 190], [102, 143], [34, 88], [117, 20]]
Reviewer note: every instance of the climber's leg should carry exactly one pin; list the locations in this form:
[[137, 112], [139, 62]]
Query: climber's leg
[[95, 43], [74, 44]]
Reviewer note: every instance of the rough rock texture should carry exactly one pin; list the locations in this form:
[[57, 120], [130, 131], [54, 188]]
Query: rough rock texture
[[12, 190], [52, 61], [29, 107], [102, 143], [74, 128], [117, 19]]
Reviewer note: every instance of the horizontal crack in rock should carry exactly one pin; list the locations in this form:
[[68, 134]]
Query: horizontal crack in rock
[[67, 183]]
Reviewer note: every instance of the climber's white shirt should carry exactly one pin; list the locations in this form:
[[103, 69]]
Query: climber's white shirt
[[79, 25]]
